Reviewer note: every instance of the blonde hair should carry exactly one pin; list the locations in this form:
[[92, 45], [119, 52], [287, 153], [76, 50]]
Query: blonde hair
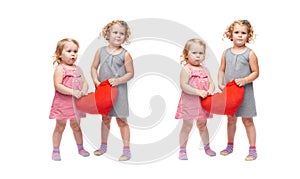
[[187, 47], [106, 30], [229, 30], [59, 48]]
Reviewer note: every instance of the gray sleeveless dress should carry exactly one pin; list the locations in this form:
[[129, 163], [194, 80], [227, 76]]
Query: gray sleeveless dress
[[112, 66], [237, 66]]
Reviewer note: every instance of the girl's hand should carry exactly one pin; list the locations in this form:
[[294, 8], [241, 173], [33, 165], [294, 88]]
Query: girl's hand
[[77, 94], [203, 93], [84, 92], [97, 84], [114, 81], [221, 87], [241, 81], [210, 92]]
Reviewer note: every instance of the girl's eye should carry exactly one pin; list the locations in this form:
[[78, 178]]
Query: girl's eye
[[70, 51], [195, 53]]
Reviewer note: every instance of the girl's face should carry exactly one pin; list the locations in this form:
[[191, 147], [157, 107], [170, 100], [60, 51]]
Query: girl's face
[[69, 53], [239, 35], [117, 35], [196, 54]]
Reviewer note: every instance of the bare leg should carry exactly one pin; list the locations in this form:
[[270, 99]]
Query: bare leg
[[56, 138], [250, 130], [185, 132], [201, 124], [58, 131], [184, 137], [75, 126], [203, 131], [125, 134], [231, 128], [124, 130], [105, 127], [251, 134]]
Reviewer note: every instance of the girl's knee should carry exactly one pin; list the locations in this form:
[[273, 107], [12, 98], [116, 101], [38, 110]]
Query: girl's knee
[[187, 125], [201, 124], [122, 122], [106, 120], [75, 125], [60, 126], [248, 122], [231, 120]]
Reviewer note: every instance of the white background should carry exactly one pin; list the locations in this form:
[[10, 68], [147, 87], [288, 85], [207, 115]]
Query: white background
[[29, 33]]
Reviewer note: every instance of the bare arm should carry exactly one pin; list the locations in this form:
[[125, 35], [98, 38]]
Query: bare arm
[[211, 88], [128, 62], [253, 62], [184, 84], [221, 72], [94, 68], [85, 85]]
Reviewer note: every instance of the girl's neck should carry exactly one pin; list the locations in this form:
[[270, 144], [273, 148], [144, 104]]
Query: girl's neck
[[238, 49], [70, 66], [112, 48], [196, 66]]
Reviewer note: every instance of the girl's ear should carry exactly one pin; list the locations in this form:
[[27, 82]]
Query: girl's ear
[[106, 37]]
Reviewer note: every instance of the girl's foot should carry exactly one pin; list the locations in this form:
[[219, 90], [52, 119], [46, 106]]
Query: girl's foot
[[84, 153], [101, 150], [182, 155], [251, 157], [56, 156], [252, 154], [209, 152], [228, 150], [126, 155]]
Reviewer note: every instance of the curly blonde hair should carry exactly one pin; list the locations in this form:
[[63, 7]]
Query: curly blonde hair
[[106, 30], [59, 48], [187, 47], [229, 30]]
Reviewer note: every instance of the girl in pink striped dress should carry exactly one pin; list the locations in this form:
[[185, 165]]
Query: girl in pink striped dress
[[69, 83], [195, 82]]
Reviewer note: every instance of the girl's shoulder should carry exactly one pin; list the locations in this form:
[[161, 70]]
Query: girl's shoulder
[[59, 70], [226, 51], [186, 68], [60, 67]]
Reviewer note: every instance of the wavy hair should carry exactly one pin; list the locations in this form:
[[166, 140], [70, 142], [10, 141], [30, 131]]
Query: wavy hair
[[229, 30], [59, 48], [106, 30]]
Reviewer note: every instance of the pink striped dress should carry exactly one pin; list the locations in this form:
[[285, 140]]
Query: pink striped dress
[[189, 106], [63, 106]]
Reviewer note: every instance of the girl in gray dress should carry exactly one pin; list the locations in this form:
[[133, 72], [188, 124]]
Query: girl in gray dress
[[114, 63], [240, 63]]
